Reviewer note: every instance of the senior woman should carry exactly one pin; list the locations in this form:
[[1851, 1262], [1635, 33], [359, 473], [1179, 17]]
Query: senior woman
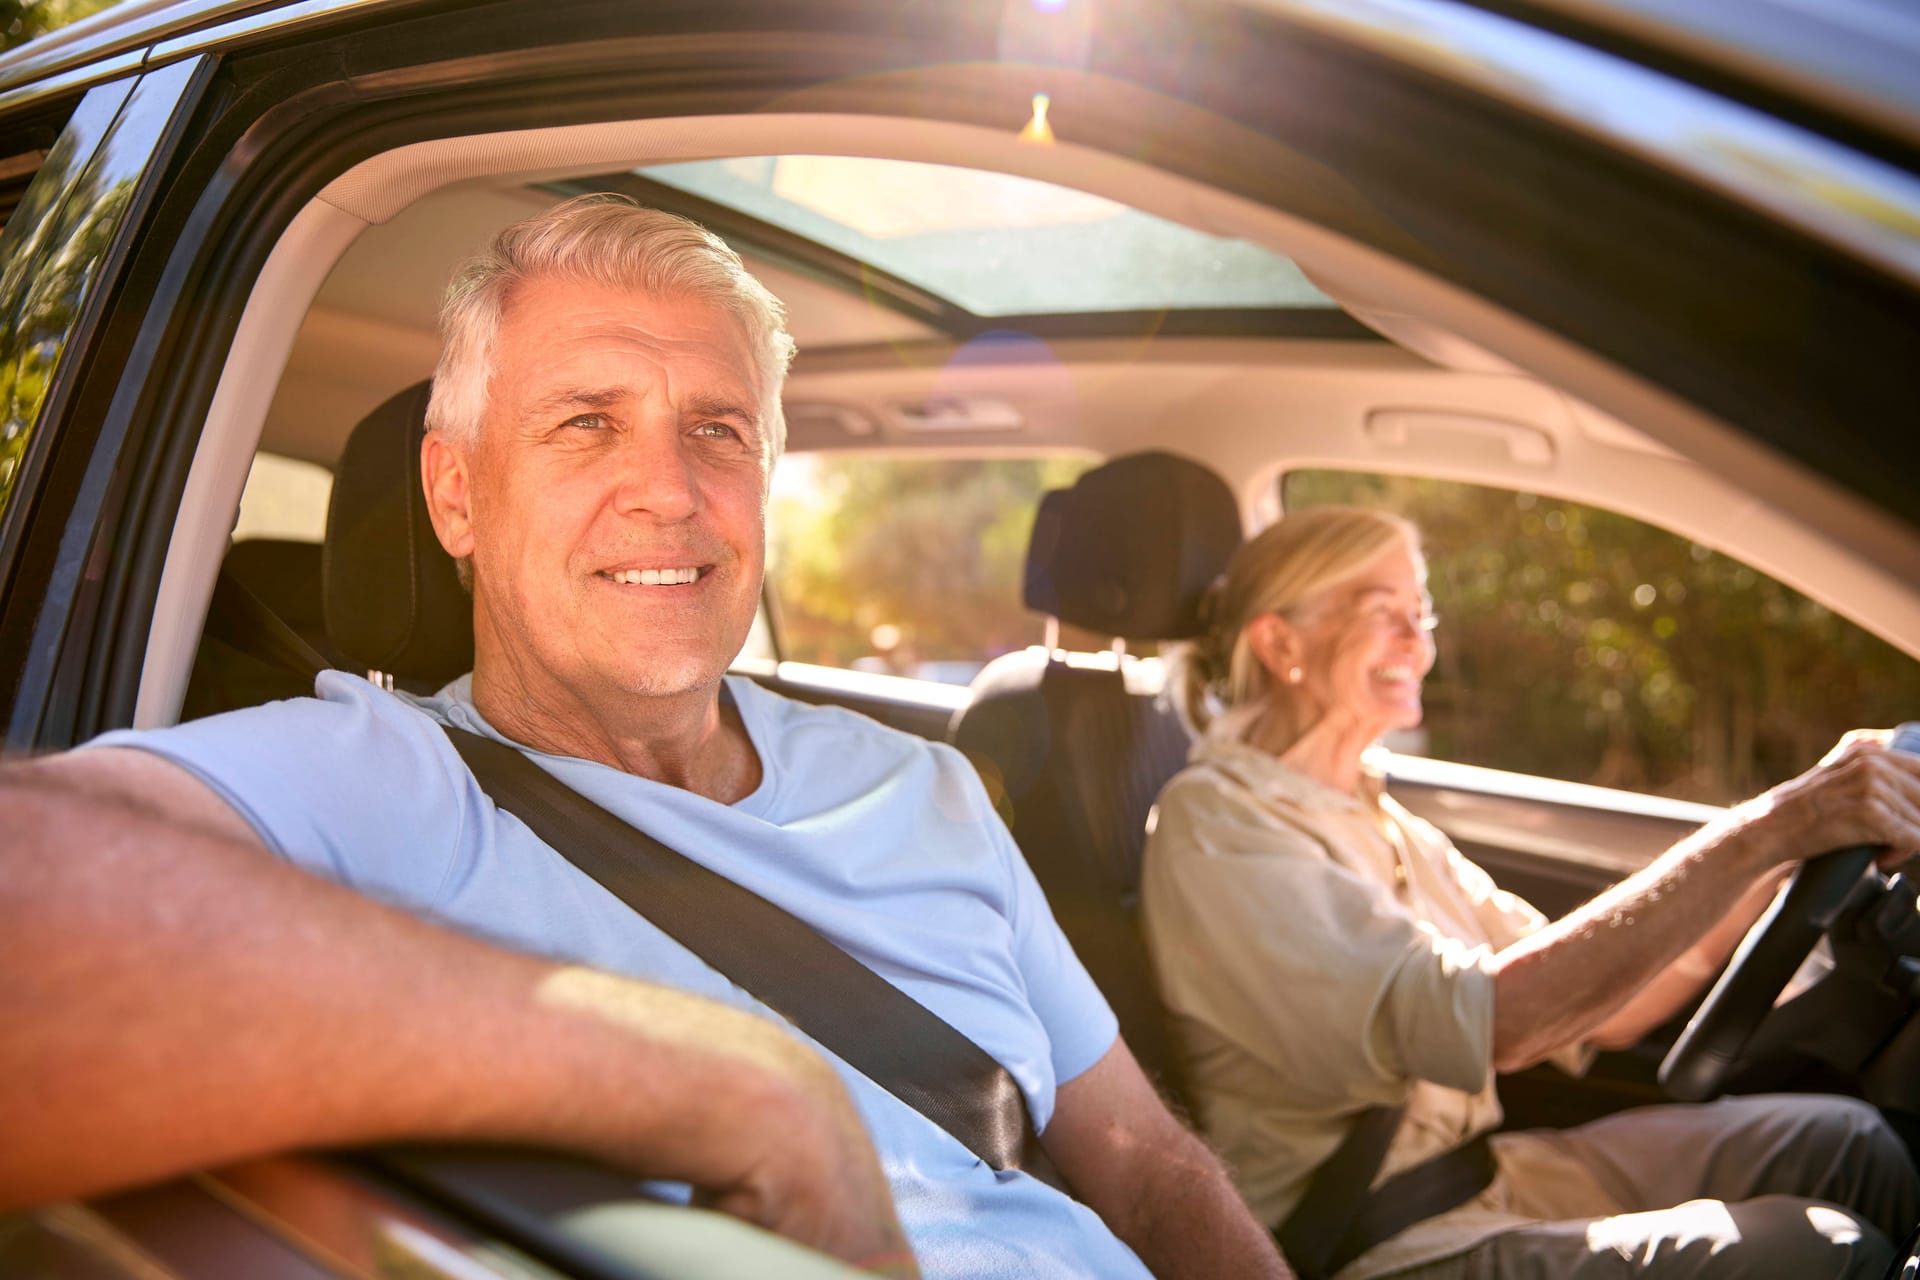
[[1326, 957]]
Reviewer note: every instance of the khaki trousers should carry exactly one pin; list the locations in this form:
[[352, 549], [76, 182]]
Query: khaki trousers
[[1795, 1187]]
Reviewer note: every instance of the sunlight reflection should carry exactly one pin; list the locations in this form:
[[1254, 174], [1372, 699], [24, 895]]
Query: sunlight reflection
[[1038, 130]]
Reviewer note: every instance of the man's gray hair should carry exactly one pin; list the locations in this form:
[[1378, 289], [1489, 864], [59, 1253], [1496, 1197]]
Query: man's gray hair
[[608, 240]]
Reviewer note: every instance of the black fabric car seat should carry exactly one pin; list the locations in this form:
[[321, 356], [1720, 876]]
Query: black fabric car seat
[[392, 596], [379, 596], [1074, 748]]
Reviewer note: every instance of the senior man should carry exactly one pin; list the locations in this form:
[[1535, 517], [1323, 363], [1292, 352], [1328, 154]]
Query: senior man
[[604, 421]]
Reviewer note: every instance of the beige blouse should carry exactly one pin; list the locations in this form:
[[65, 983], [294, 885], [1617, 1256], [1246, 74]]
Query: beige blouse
[[1320, 956]]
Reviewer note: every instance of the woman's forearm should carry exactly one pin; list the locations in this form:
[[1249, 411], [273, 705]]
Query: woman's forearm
[[1675, 986], [1589, 969], [1560, 984]]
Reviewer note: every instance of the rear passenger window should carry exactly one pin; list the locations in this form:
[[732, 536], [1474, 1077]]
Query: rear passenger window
[[906, 566], [284, 498], [1588, 646]]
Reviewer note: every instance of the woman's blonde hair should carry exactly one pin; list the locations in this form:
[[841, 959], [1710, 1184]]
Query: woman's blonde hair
[[1219, 683]]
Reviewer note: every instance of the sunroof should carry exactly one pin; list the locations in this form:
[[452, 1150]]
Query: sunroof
[[993, 244]]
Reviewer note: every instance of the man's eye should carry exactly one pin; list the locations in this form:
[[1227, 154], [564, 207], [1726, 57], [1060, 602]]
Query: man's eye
[[586, 421], [716, 431]]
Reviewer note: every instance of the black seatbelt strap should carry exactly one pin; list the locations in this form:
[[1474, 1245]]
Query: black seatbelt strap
[[238, 617], [1427, 1190], [782, 961], [1339, 1218]]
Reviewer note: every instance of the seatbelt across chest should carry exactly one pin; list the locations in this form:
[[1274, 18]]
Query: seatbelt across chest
[[779, 959]]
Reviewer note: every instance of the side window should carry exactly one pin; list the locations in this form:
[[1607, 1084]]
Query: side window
[[1588, 646], [51, 246], [284, 498], [906, 566]]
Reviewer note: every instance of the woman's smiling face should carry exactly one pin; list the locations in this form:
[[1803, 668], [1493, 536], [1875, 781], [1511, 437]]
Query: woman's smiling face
[[1365, 646]]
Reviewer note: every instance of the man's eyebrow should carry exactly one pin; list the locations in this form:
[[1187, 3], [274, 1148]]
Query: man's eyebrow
[[718, 407], [589, 397]]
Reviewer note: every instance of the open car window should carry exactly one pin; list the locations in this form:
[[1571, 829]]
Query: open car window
[[1588, 646], [906, 566]]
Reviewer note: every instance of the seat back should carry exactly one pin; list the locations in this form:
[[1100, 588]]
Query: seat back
[[392, 596], [380, 595], [1075, 747]]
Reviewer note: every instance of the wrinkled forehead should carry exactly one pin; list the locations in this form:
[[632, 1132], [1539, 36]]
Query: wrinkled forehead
[[586, 301], [549, 320]]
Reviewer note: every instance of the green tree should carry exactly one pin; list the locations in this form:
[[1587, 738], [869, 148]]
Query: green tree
[[53, 255], [22, 20], [908, 561]]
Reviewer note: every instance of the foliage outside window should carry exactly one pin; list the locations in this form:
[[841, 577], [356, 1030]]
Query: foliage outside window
[[907, 567], [51, 257], [1580, 644], [22, 20]]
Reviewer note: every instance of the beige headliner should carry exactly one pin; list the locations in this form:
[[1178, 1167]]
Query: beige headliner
[[1488, 398]]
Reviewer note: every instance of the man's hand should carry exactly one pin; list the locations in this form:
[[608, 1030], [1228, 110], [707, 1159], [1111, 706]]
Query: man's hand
[[811, 1174], [1153, 1182], [773, 1139]]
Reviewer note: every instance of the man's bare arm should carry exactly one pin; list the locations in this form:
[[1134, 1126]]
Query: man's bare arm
[[175, 998], [1155, 1184]]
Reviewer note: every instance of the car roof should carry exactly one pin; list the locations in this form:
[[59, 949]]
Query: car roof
[[1845, 63]]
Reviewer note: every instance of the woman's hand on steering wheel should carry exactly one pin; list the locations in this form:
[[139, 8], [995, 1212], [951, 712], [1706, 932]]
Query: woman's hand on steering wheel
[[1863, 792], [1861, 803]]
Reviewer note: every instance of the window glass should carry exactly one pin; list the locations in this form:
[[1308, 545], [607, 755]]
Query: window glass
[[56, 236], [1584, 645], [908, 567], [284, 498], [996, 244]]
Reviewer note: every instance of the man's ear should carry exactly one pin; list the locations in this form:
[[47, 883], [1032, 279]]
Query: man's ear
[[444, 475], [1276, 643]]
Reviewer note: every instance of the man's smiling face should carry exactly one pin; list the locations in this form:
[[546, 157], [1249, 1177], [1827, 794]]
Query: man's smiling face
[[614, 504]]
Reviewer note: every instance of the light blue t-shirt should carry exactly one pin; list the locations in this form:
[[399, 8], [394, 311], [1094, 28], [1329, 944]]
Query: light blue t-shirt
[[883, 842]]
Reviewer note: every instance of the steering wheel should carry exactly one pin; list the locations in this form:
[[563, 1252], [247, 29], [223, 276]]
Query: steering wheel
[[1700, 1059]]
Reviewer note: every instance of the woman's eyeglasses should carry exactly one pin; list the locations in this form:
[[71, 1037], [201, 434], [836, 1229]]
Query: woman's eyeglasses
[[1385, 615], [1374, 611]]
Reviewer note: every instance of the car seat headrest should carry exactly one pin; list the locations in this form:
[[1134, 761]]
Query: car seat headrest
[[1132, 546], [392, 596]]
